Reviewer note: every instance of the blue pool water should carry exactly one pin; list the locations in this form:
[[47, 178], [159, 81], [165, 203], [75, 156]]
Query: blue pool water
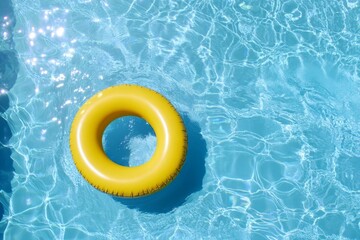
[[270, 94]]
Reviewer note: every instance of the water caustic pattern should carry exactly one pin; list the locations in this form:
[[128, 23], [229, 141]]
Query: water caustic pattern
[[273, 85]]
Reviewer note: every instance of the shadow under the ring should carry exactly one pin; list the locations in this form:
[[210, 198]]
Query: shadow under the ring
[[188, 181]]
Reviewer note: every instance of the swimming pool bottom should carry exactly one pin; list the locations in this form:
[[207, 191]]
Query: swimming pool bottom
[[270, 89]]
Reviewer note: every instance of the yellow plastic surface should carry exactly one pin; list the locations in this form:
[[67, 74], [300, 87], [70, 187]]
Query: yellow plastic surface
[[128, 100]]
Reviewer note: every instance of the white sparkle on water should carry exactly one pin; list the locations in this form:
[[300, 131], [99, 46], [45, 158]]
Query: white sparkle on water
[[60, 31]]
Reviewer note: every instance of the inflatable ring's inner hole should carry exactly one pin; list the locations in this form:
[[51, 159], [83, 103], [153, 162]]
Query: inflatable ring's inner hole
[[129, 141]]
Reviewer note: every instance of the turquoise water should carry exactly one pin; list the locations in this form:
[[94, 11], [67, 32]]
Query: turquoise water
[[270, 91]]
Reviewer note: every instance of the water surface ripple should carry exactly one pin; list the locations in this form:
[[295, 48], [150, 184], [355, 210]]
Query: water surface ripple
[[273, 85]]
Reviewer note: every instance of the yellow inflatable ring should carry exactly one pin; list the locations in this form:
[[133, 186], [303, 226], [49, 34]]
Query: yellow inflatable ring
[[128, 100]]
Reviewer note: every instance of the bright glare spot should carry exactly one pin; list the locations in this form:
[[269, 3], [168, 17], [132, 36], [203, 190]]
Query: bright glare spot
[[54, 62], [41, 31], [244, 6], [59, 78], [54, 119], [85, 75], [3, 91], [32, 43], [67, 102], [60, 31], [70, 53], [80, 89], [6, 17], [33, 61], [352, 4], [32, 35], [74, 72], [37, 90]]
